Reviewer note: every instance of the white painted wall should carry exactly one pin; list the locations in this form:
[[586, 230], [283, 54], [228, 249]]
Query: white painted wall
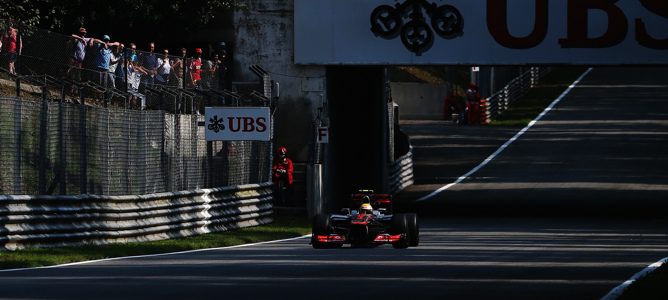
[[419, 101], [264, 35]]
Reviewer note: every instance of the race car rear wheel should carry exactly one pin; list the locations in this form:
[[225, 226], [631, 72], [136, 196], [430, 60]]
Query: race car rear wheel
[[413, 230], [400, 226]]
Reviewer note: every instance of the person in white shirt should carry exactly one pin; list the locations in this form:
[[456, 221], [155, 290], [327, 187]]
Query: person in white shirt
[[164, 68]]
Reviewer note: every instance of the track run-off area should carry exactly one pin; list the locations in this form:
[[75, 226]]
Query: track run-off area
[[572, 208]]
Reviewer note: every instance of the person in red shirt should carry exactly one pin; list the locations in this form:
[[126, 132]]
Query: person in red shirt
[[11, 47], [196, 68], [282, 177]]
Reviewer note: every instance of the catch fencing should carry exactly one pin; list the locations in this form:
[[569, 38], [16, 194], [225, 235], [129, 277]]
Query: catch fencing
[[57, 148], [69, 131]]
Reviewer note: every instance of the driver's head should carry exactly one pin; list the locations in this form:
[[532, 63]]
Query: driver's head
[[366, 208]]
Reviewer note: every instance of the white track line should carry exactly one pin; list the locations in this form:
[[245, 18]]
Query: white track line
[[616, 292], [155, 255], [504, 146]]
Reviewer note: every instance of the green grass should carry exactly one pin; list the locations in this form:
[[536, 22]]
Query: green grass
[[527, 108], [284, 226]]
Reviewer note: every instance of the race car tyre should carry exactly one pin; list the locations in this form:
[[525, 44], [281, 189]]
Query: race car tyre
[[400, 226], [321, 226], [413, 230]]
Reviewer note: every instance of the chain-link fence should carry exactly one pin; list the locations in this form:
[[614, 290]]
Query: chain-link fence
[[75, 129], [53, 147]]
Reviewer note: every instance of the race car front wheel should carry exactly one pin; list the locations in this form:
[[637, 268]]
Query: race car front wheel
[[400, 226], [321, 226], [413, 230]]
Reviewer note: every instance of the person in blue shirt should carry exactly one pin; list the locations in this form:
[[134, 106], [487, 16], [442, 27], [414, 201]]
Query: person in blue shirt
[[149, 61], [103, 58]]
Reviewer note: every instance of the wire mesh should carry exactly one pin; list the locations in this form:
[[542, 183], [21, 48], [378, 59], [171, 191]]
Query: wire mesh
[[114, 151], [132, 129]]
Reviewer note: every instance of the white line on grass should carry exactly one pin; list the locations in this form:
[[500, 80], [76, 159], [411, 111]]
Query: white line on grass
[[155, 255], [504, 146]]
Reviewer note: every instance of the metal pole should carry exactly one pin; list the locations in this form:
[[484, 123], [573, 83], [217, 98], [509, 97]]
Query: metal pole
[[18, 173], [61, 145], [42, 141], [83, 155]]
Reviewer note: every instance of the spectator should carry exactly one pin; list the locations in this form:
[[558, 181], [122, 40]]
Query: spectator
[[164, 68], [79, 44], [121, 66], [149, 61], [11, 47], [196, 68], [222, 71], [134, 74], [208, 73], [178, 69], [116, 58], [103, 59]]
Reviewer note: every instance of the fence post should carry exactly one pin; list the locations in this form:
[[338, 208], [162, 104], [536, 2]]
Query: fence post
[[18, 173], [62, 175], [83, 148], [42, 141]]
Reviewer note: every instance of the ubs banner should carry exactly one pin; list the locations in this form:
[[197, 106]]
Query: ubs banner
[[481, 32], [237, 124]]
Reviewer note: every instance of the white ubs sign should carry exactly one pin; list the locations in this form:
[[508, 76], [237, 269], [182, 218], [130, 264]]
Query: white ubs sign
[[481, 32], [237, 124]]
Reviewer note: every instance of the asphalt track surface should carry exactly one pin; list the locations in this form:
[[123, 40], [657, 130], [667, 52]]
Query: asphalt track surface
[[570, 210]]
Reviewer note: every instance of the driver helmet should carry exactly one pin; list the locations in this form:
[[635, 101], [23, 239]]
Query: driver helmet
[[282, 152], [366, 208]]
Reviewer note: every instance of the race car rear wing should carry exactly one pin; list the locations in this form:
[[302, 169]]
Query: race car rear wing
[[378, 201]]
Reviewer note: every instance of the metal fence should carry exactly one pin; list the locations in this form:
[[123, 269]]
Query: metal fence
[[70, 131], [50, 53], [53, 147], [501, 100]]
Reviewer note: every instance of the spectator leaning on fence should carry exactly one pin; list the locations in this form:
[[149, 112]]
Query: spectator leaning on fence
[[79, 44], [150, 63], [135, 71], [196, 68], [164, 68], [116, 56], [103, 59], [117, 69], [11, 47], [178, 69]]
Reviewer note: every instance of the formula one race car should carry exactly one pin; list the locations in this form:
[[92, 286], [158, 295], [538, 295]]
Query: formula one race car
[[372, 225]]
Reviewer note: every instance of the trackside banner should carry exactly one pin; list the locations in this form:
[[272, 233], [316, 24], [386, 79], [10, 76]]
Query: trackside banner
[[237, 124], [481, 32]]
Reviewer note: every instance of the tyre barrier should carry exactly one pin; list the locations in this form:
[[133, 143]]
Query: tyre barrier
[[401, 173], [53, 221], [485, 114]]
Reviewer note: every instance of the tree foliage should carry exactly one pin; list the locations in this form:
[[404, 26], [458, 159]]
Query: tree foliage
[[19, 12], [114, 15]]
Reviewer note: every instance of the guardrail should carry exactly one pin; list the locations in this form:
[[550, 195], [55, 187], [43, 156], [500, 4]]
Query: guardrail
[[401, 173], [516, 88], [49, 221]]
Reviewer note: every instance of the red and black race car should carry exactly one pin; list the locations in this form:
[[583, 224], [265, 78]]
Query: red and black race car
[[371, 225]]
